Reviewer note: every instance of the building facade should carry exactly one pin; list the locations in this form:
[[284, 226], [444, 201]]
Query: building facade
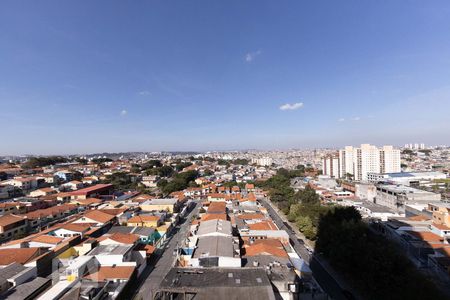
[[357, 163]]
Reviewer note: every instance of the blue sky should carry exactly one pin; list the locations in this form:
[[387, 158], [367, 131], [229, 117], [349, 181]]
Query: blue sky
[[89, 76]]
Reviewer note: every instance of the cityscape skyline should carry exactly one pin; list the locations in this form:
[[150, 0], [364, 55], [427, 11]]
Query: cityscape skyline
[[79, 78], [208, 149]]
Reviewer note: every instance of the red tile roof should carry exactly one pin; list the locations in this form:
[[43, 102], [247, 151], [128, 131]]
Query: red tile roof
[[426, 236], [92, 189], [116, 272], [99, 216], [76, 227], [47, 239], [123, 238], [251, 216], [10, 219], [19, 255], [264, 225], [143, 219], [207, 217], [217, 207], [266, 247]]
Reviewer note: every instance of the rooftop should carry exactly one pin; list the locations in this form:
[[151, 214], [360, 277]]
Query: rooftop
[[19, 255], [105, 273], [98, 216], [402, 189], [220, 283], [214, 226], [164, 201], [214, 246], [92, 189], [110, 250]]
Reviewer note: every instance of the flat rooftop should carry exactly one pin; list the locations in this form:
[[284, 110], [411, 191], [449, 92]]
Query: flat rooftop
[[375, 208], [414, 174], [210, 246], [214, 226], [164, 201], [110, 250], [220, 283], [402, 189]]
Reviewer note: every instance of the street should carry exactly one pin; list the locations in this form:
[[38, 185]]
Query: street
[[320, 272], [154, 274]]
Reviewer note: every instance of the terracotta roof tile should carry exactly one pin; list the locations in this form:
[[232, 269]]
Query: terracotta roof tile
[[106, 273], [143, 219], [47, 239], [207, 217], [266, 248], [426, 236], [99, 216], [123, 238], [252, 216], [19, 255], [76, 227], [10, 219], [264, 225]]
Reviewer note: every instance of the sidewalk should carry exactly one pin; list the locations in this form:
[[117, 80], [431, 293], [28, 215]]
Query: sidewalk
[[315, 256], [309, 243]]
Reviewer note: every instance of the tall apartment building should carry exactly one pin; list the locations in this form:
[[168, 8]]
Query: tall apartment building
[[331, 165], [415, 146], [264, 161], [358, 162]]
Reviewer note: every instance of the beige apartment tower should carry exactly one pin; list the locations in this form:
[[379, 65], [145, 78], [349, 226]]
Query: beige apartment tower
[[356, 163]]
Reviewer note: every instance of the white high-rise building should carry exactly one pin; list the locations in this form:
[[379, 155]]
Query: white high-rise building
[[264, 161], [358, 162], [331, 166]]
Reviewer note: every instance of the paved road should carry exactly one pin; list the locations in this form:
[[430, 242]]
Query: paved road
[[165, 259], [317, 265]]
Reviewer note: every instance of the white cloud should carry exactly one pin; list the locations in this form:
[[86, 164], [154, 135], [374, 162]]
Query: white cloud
[[249, 57], [123, 112], [356, 118], [292, 106], [144, 93], [341, 120]]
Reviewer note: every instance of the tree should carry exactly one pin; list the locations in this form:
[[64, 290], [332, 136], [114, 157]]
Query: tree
[[179, 182], [135, 168], [300, 167], [240, 161], [208, 172], [121, 181], [374, 266], [303, 222], [307, 196], [42, 161], [166, 171], [153, 163], [101, 160], [80, 160], [162, 183], [180, 166], [407, 152], [77, 176], [174, 186], [223, 162]]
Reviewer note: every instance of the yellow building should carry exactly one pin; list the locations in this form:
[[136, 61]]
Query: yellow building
[[144, 221], [170, 205], [441, 214]]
